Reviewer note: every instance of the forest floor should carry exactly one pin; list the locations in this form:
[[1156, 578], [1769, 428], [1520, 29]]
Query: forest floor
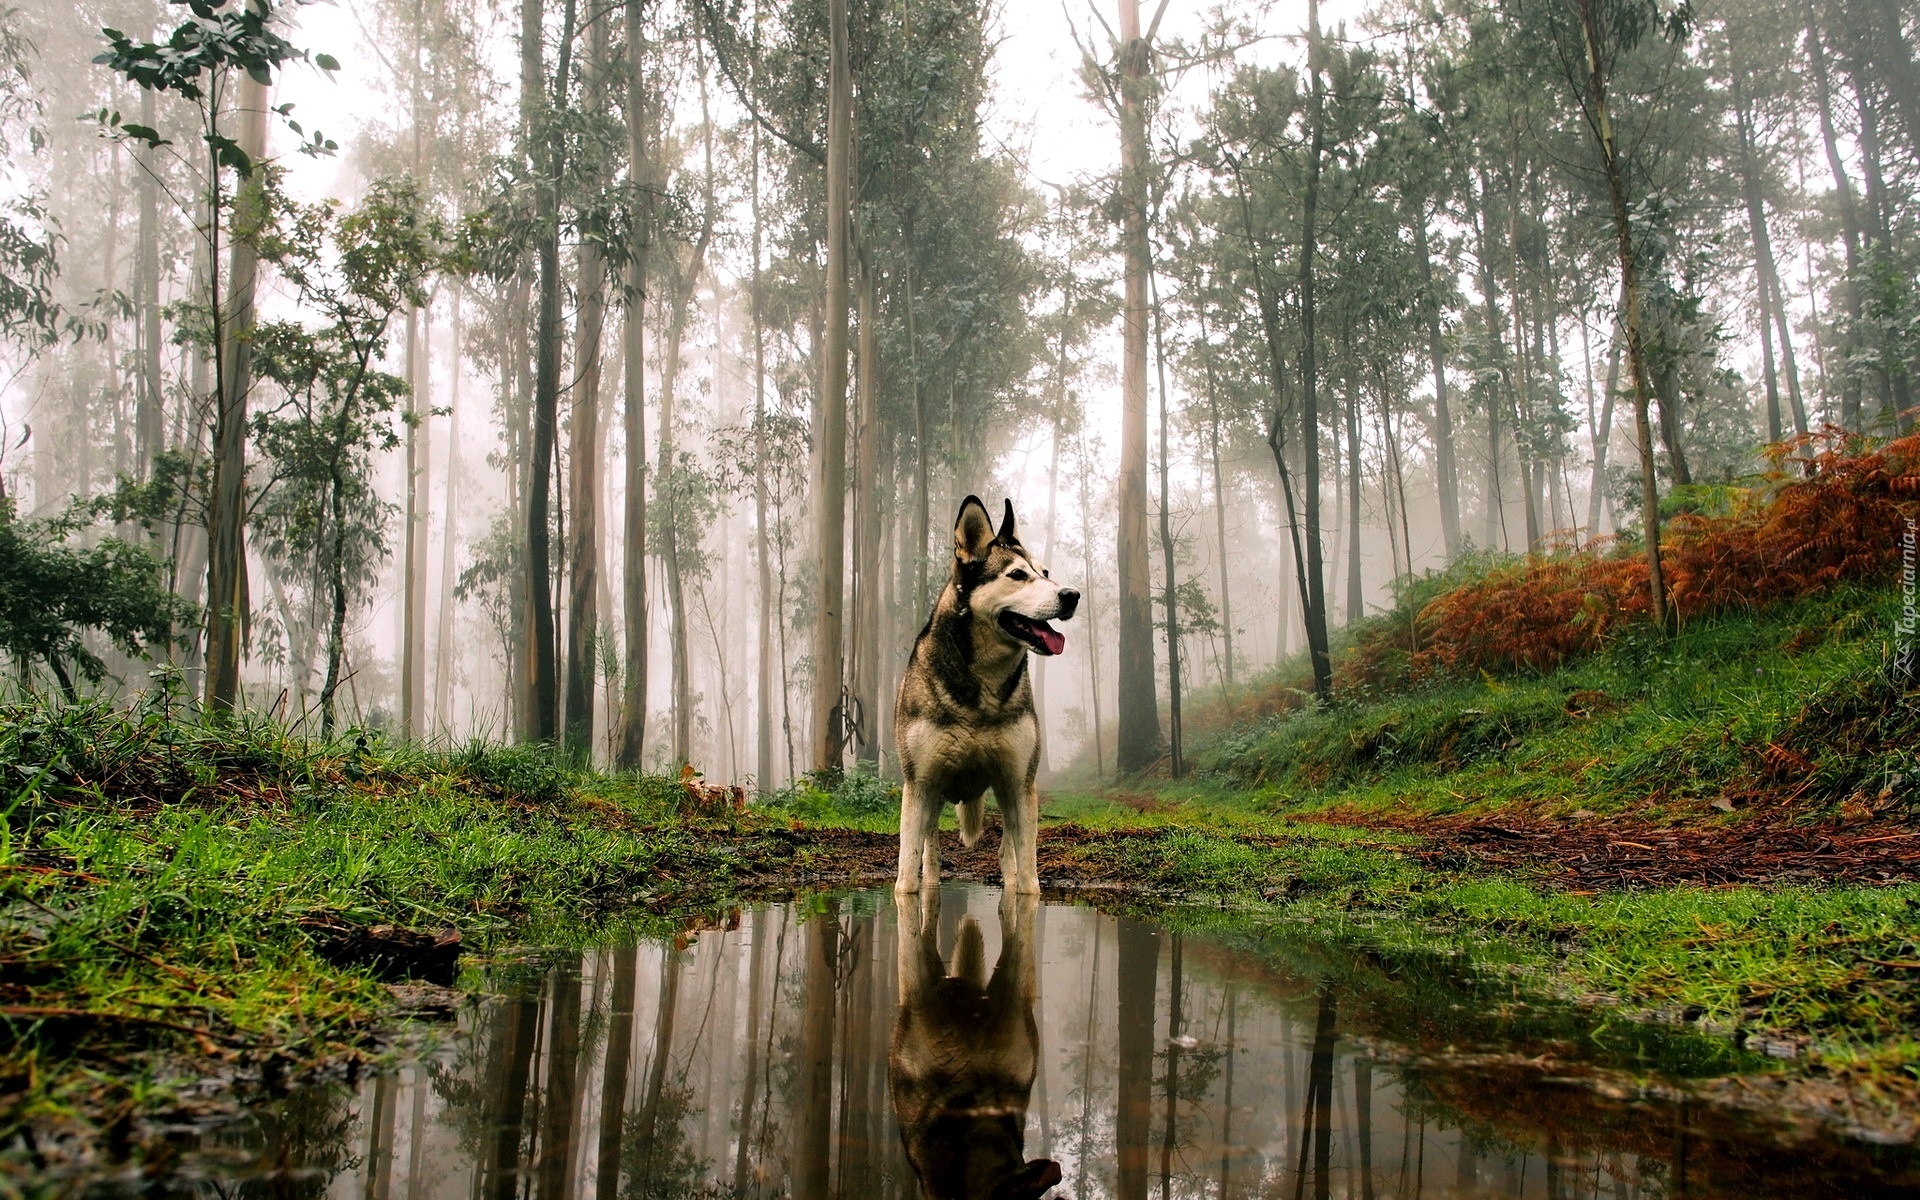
[[1714, 829]]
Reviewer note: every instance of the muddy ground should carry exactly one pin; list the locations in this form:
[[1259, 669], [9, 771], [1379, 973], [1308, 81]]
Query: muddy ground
[[1579, 855]]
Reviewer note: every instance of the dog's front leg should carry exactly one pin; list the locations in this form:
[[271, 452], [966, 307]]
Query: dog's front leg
[[919, 839], [1019, 822]]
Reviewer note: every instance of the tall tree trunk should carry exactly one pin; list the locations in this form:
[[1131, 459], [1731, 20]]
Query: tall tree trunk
[[227, 598], [1316, 599], [1088, 607], [1356, 584], [1139, 743], [763, 566], [449, 532], [1895, 394], [630, 745], [923, 522], [583, 453], [1602, 126], [1219, 504], [866, 535], [413, 605], [1850, 414], [1765, 282], [830, 497], [1603, 434], [1170, 596], [544, 723], [1445, 470], [149, 402]]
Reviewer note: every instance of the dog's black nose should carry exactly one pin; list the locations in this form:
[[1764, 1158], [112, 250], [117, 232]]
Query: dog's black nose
[[1069, 600]]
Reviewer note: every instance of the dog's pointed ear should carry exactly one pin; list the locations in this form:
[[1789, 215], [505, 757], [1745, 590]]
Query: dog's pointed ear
[[972, 531], [1009, 535]]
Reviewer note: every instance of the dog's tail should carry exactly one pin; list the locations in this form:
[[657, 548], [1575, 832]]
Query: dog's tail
[[973, 819]]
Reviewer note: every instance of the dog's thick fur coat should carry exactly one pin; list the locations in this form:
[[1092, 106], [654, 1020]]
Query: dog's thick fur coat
[[964, 1052], [964, 719]]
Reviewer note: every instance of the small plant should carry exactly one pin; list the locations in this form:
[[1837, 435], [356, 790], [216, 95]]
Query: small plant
[[525, 774]]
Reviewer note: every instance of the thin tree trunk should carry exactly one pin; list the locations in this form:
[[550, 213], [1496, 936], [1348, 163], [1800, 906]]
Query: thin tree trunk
[[1219, 503], [1316, 598], [583, 453], [1356, 584], [544, 722], [866, 495], [227, 598], [1139, 744], [763, 732], [1602, 126], [1088, 608], [1850, 414], [149, 410], [413, 582], [449, 533], [1444, 467], [1170, 597], [630, 748], [830, 513], [1757, 230], [1603, 434]]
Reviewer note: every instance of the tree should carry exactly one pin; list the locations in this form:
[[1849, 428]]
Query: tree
[[53, 592], [830, 519], [196, 63], [1139, 742], [319, 511]]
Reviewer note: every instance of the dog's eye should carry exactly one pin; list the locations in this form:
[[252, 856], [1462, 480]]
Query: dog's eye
[[1018, 576]]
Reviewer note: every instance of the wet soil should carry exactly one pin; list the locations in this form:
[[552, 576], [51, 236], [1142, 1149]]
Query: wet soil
[[1602, 854], [1592, 854]]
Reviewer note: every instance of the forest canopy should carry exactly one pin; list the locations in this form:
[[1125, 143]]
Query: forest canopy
[[606, 374]]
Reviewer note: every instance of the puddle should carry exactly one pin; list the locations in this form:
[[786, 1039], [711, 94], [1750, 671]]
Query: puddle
[[821, 1050]]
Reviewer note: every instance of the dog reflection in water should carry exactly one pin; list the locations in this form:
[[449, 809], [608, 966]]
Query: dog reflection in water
[[965, 1048]]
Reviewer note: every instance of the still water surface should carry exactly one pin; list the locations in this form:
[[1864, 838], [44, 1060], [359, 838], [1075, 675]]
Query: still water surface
[[975, 1045]]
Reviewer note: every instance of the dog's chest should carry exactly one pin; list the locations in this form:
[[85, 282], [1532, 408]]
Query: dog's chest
[[965, 752]]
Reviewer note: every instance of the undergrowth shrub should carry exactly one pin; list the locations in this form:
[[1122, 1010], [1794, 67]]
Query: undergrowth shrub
[[1836, 521], [529, 774], [827, 795]]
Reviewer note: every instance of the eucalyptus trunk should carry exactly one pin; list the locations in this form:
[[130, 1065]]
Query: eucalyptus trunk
[[1139, 742], [830, 513]]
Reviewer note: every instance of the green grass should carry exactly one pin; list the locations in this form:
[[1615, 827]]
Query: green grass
[[1660, 726], [161, 875], [161, 879]]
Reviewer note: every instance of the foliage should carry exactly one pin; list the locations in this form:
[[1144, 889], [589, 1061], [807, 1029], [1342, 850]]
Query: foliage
[[54, 592], [215, 39], [855, 796], [320, 513], [1793, 535]]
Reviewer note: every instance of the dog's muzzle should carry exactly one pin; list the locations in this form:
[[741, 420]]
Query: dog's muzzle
[[1069, 601]]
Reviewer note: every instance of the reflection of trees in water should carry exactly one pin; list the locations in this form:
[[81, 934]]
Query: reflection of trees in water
[[307, 1138]]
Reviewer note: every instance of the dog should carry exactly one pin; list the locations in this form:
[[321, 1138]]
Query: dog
[[965, 1048], [964, 719]]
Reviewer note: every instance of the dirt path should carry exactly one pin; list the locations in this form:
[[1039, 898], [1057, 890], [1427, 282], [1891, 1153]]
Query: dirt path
[[1629, 853]]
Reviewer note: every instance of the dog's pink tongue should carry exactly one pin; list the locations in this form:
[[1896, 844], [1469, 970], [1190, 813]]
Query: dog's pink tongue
[[1052, 639]]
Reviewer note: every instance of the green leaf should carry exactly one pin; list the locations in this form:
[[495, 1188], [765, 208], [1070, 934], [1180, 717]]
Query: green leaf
[[326, 62]]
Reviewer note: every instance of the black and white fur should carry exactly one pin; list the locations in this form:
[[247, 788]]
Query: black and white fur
[[964, 719]]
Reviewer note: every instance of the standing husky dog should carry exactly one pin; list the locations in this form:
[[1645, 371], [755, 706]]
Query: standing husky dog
[[964, 719]]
